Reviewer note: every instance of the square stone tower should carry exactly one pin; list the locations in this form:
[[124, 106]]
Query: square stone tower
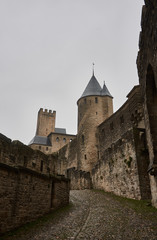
[[46, 122]]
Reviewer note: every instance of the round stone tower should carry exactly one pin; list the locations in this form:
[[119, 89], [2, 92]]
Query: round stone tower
[[94, 106]]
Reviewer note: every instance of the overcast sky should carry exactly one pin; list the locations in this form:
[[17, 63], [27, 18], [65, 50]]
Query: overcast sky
[[47, 48]]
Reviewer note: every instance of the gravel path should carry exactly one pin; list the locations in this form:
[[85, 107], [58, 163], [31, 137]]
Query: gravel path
[[96, 215]]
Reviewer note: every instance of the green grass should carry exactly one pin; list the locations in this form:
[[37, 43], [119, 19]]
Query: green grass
[[37, 223], [139, 206]]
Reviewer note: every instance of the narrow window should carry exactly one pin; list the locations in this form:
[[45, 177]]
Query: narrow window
[[83, 139], [47, 148], [111, 126], [41, 166], [85, 156], [96, 100], [39, 147], [57, 139], [103, 131], [64, 140], [132, 117], [96, 113], [25, 161], [122, 119], [85, 100]]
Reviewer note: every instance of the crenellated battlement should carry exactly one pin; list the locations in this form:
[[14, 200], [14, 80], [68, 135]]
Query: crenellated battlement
[[46, 122], [48, 112]]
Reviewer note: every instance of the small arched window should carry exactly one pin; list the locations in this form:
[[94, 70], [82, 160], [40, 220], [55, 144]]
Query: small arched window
[[64, 140], [57, 139]]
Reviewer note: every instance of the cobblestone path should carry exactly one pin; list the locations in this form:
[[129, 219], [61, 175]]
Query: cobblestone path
[[96, 215]]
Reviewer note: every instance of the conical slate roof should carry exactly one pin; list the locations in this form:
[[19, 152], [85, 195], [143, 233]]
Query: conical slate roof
[[105, 91], [94, 89]]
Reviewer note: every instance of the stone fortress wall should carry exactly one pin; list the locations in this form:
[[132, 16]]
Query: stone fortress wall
[[29, 186], [122, 159], [126, 142], [123, 155]]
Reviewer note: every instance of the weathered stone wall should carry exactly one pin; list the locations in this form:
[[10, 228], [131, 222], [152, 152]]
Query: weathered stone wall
[[120, 154], [67, 157], [28, 185], [118, 169], [79, 180], [147, 71], [67, 164], [25, 195], [128, 116]]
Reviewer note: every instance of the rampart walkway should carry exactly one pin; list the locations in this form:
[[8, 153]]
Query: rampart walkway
[[96, 215]]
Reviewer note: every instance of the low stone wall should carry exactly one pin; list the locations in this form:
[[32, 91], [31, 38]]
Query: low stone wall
[[79, 179], [25, 195], [29, 186], [15, 153]]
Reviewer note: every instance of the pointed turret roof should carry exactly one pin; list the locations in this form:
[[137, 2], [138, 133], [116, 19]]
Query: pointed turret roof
[[105, 91], [94, 89]]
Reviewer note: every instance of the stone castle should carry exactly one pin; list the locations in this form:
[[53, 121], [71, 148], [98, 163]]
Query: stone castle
[[115, 152]]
